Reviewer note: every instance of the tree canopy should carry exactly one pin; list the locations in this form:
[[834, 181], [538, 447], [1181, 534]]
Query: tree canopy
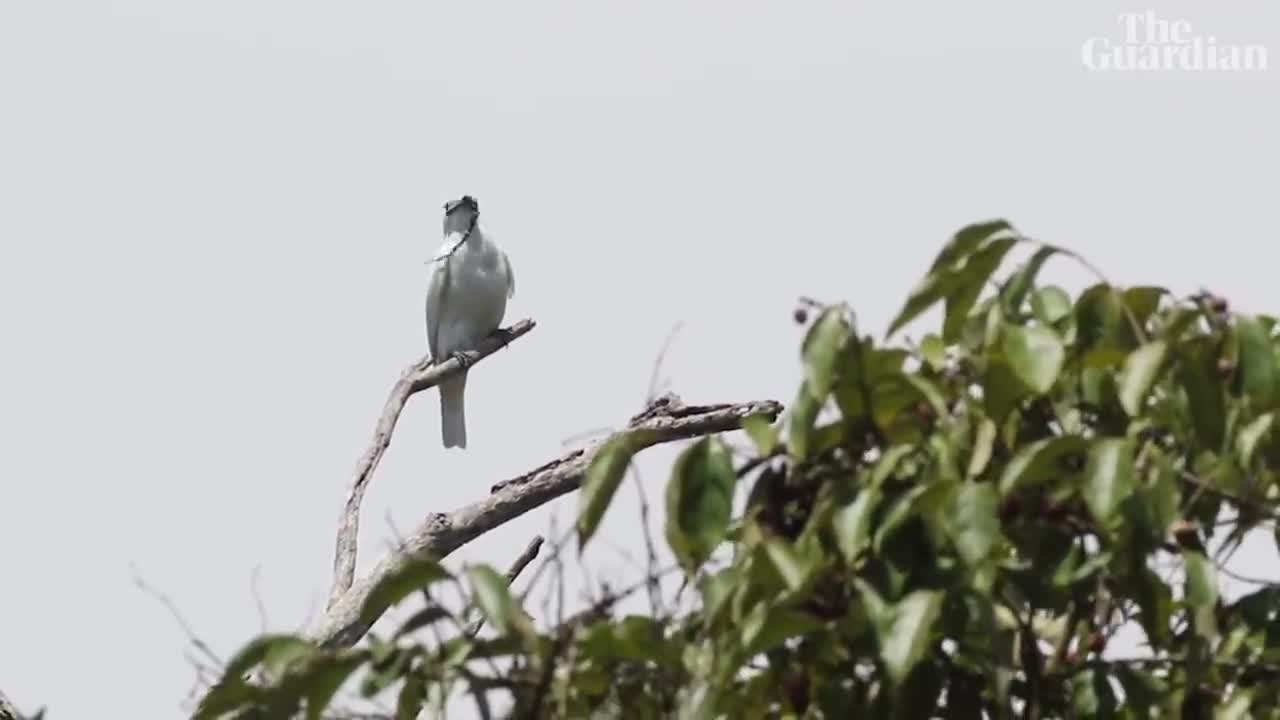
[[955, 527]]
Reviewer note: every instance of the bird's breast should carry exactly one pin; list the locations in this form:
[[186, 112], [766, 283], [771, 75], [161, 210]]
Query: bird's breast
[[470, 297]]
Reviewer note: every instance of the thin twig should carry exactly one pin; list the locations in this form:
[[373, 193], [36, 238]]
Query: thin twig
[[517, 567], [651, 550], [557, 561], [657, 364], [255, 581], [1247, 579], [1205, 487], [557, 542], [163, 599], [416, 378], [578, 437]]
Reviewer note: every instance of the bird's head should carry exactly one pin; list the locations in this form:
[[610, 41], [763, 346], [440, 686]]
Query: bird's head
[[460, 214]]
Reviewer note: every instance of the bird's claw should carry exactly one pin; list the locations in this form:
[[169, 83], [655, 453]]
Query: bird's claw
[[503, 334], [463, 358]]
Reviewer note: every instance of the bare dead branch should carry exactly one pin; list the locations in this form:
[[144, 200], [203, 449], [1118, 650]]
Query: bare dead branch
[[530, 553], [665, 420], [517, 567], [415, 378]]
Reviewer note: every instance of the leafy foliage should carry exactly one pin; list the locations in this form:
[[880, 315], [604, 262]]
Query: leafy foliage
[[961, 537]]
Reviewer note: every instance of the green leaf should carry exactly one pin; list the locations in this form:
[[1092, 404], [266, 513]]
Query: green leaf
[[887, 463], [1085, 570], [852, 524], [494, 597], [903, 508], [1001, 390], [983, 445], [974, 526], [1202, 593], [1237, 708], [923, 296], [1202, 583], [928, 391], [1251, 436], [1256, 607], [1036, 355], [1142, 690], [1258, 370], [1016, 289], [1143, 300], [905, 630], [974, 276], [636, 638], [283, 652], [409, 577], [269, 646], [768, 626], [966, 240], [1109, 476], [389, 666], [226, 696], [1141, 368], [413, 693], [1092, 696], [790, 565], [1206, 393], [801, 416], [1050, 304], [1100, 317], [328, 677], [1163, 496], [699, 501], [1155, 605], [603, 476], [958, 282], [425, 617], [822, 348], [1037, 462], [934, 351], [717, 589], [763, 432], [1178, 320]]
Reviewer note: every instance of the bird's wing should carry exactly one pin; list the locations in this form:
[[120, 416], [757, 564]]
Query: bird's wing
[[511, 277], [435, 297], [436, 292]]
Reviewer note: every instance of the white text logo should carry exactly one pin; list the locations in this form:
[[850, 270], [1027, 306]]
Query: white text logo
[[1151, 43]]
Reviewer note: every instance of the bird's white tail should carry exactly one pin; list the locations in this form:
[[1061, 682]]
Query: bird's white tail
[[453, 423]]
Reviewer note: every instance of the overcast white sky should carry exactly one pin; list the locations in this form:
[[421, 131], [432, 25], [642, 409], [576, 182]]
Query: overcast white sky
[[214, 218]]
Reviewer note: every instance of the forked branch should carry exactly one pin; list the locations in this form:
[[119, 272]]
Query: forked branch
[[415, 378], [665, 420]]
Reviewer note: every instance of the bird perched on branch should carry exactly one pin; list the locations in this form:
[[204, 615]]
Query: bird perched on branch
[[467, 295]]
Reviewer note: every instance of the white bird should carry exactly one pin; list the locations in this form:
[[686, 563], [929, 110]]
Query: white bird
[[466, 298]]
